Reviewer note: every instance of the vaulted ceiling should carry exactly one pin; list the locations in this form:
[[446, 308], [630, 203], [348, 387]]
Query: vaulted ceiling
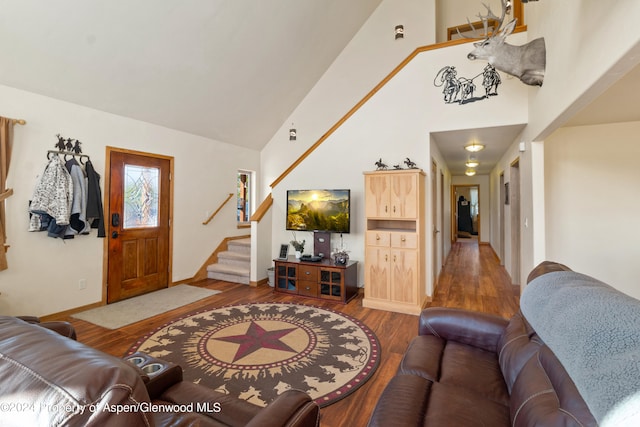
[[230, 70]]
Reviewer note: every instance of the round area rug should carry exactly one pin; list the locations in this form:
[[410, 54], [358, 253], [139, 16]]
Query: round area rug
[[257, 351]]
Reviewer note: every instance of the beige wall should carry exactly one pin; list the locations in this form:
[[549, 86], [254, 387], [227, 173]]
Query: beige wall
[[575, 75], [593, 202], [43, 272]]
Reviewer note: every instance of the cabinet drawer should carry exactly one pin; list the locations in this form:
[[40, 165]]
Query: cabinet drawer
[[308, 288], [404, 240], [308, 272], [378, 238]]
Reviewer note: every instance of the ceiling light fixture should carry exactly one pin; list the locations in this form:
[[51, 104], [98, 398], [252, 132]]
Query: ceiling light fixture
[[470, 172], [474, 147], [472, 162]]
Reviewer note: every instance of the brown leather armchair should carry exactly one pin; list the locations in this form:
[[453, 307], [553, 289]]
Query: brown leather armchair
[[62, 328], [48, 379]]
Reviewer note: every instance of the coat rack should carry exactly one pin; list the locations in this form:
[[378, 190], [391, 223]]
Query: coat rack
[[68, 147]]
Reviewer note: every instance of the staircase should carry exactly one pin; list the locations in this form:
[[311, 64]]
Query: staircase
[[233, 264]]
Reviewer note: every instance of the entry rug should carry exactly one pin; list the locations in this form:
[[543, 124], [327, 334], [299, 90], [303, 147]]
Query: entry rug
[[122, 313], [257, 351]]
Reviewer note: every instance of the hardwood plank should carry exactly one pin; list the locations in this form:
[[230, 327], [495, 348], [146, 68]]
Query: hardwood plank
[[472, 278]]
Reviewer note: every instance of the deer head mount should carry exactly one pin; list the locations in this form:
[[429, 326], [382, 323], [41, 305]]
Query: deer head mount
[[527, 62]]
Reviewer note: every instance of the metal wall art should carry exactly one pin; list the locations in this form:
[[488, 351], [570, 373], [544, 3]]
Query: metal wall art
[[461, 89]]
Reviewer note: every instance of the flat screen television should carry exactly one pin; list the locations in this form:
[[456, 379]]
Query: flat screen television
[[319, 210]]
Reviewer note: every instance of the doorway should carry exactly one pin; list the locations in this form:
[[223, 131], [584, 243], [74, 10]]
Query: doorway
[[513, 195], [434, 220], [139, 210], [503, 207], [465, 213]]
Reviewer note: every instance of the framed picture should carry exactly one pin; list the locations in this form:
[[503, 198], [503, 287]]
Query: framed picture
[[284, 251], [506, 193]]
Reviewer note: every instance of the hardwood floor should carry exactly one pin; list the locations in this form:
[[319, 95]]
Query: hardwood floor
[[472, 278]]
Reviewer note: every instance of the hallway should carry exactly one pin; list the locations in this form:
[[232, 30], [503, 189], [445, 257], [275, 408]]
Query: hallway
[[472, 278]]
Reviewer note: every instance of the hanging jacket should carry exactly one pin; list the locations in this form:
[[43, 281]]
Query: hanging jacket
[[77, 220], [53, 193], [95, 213]]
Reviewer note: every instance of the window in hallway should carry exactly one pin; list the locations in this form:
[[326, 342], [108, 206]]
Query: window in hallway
[[244, 187]]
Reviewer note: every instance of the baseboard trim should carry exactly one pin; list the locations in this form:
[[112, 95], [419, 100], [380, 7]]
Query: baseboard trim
[[67, 313], [259, 282]]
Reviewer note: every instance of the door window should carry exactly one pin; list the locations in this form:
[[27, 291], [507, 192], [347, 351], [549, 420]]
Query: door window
[[141, 189]]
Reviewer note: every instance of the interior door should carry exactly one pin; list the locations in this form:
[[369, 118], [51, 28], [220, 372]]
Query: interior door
[[138, 224]]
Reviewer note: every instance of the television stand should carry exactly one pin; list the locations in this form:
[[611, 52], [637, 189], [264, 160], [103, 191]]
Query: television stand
[[323, 279]]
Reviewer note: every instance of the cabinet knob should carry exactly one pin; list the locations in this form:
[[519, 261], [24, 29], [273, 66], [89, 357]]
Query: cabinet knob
[[307, 272], [394, 258], [403, 239], [308, 288], [377, 237], [394, 209], [386, 208], [386, 258]]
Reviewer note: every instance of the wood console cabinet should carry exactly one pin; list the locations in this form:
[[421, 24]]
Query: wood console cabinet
[[394, 241], [324, 279]]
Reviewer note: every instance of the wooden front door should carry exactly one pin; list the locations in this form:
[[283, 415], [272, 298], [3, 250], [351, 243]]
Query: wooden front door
[[138, 224]]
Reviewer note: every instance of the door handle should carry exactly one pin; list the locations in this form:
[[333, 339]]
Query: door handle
[[114, 235], [115, 219]]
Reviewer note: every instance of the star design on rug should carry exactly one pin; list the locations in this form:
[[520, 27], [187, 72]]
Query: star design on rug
[[256, 338]]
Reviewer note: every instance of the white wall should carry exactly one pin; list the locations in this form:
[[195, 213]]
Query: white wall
[[590, 44], [44, 272], [396, 123], [367, 60], [584, 57], [592, 202], [443, 216]]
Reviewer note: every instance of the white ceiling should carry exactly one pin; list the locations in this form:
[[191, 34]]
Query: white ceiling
[[495, 139], [230, 70]]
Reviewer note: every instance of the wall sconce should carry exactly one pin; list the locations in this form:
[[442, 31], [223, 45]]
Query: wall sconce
[[399, 32], [470, 172], [474, 147], [293, 134], [472, 162]]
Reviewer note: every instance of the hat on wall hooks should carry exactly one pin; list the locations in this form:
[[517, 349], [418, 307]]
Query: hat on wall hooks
[[399, 32], [293, 134]]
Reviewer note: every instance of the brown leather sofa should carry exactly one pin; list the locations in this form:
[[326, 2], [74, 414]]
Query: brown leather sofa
[[48, 379], [472, 369]]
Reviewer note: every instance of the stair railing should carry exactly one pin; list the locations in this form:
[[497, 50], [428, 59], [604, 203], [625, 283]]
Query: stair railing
[[218, 210], [262, 209]]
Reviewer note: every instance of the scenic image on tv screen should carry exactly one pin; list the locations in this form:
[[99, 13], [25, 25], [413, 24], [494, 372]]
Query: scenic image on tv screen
[[320, 210]]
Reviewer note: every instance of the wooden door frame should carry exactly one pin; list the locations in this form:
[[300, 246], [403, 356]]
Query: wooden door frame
[[502, 216], [515, 207], [434, 223], [107, 209], [454, 209]]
